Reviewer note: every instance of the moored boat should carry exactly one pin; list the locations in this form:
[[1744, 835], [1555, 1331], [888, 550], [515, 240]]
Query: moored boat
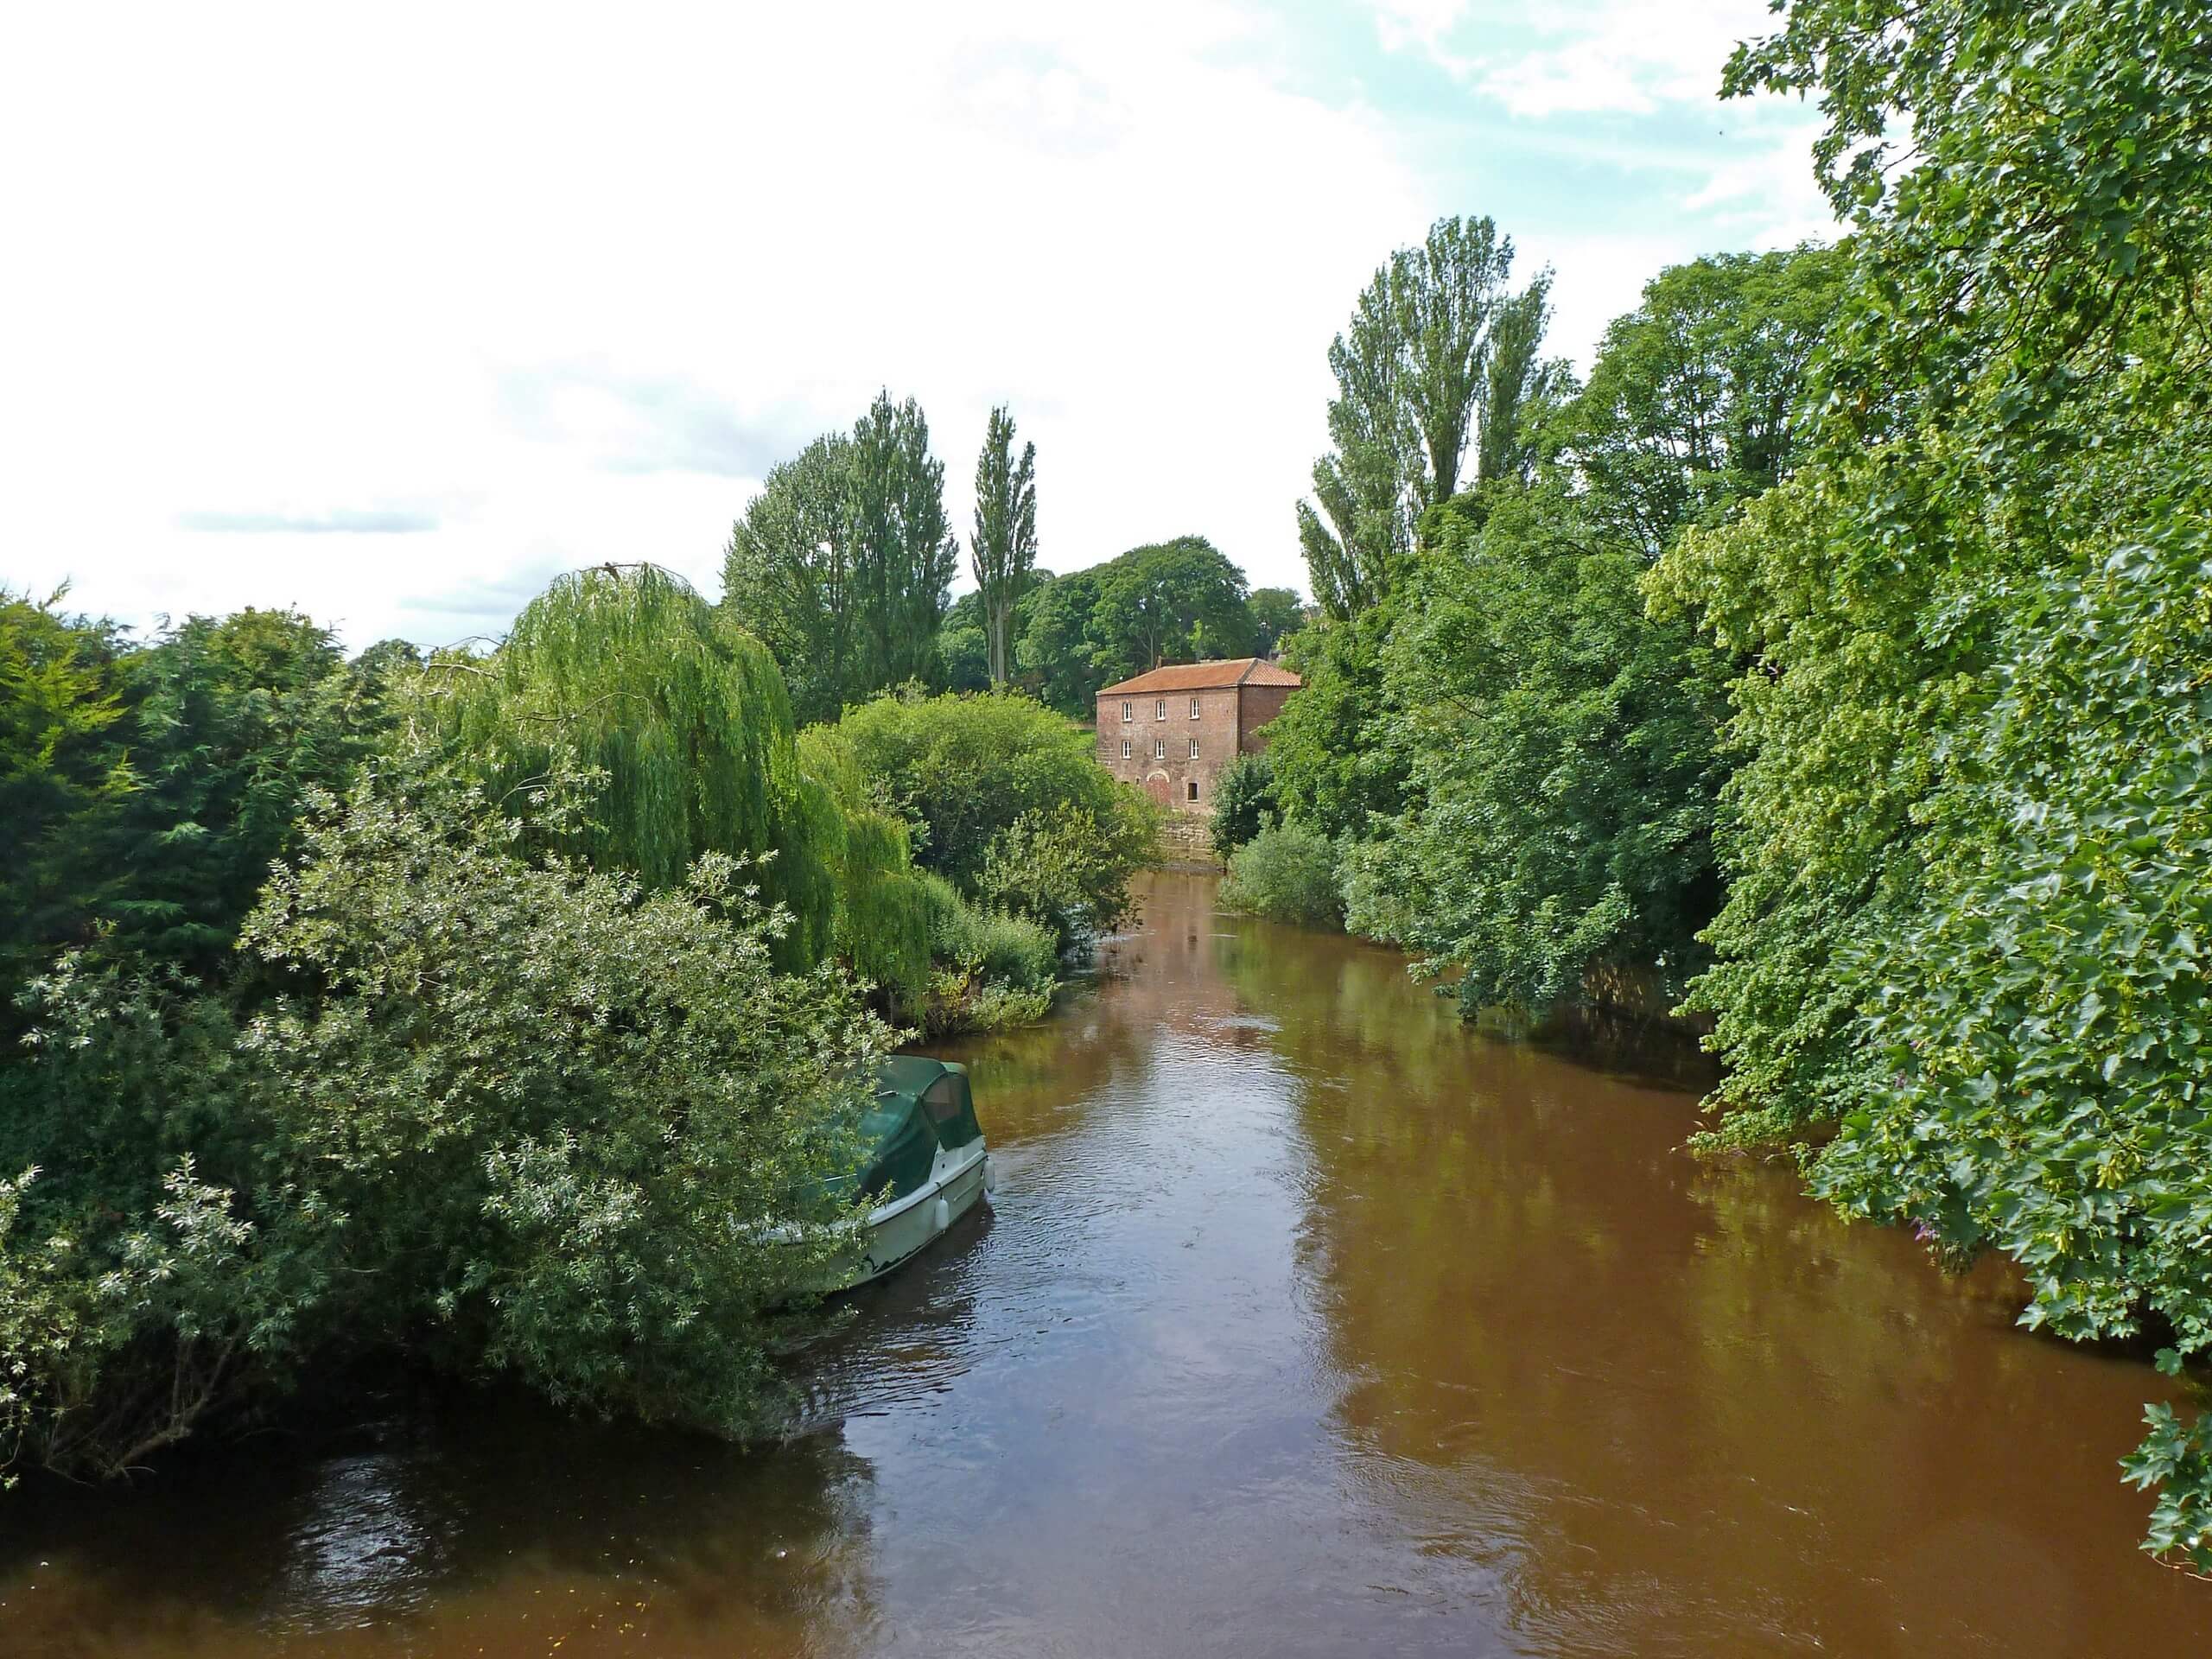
[[923, 1163]]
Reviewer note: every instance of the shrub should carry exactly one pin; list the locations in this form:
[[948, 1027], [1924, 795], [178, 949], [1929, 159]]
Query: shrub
[[995, 969], [1244, 802], [1001, 779], [512, 1114], [1286, 872]]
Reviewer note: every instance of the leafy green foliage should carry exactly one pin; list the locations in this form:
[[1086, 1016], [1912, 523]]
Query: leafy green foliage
[[994, 968], [1054, 653], [629, 673], [1437, 353], [1286, 872], [1563, 762], [1179, 601], [61, 702], [507, 1112], [1277, 613], [843, 563], [1960, 920], [1243, 801], [1006, 800], [1698, 398], [1003, 549], [1331, 749]]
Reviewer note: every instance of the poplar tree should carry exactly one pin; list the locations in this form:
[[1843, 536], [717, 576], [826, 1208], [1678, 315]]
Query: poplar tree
[[1003, 551], [1438, 355]]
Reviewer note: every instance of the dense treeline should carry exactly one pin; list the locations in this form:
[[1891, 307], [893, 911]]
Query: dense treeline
[[486, 1009], [843, 566], [1833, 665]]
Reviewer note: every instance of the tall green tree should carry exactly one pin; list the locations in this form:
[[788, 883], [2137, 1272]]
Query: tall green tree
[[1419, 378], [843, 563], [1003, 551], [1277, 613], [906, 554], [1521, 388], [1180, 601], [1698, 397], [60, 764], [1561, 748], [788, 576], [1963, 923], [1055, 651]]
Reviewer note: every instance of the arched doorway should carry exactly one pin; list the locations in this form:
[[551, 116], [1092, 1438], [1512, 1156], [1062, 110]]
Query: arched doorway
[[1157, 786]]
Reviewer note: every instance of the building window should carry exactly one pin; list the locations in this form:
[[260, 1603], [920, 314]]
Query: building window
[[1194, 748], [1160, 748], [1194, 708], [1128, 709], [1193, 787], [1160, 709], [1125, 748]]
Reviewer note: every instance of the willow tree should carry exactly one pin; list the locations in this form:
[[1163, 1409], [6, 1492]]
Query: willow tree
[[628, 672], [1003, 551]]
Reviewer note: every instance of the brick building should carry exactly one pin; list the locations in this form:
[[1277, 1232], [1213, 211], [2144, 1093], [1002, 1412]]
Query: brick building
[[1170, 731]]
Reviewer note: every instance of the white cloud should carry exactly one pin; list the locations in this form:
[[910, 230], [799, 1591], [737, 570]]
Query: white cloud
[[394, 313], [1625, 56], [568, 287]]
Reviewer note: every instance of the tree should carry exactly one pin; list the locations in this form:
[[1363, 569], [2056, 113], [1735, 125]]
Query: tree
[[1698, 400], [1055, 650], [1003, 549], [61, 699], [233, 721], [1419, 375], [628, 672], [1563, 762], [843, 563], [905, 552], [1963, 921], [1521, 388], [1006, 800], [963, 647], [1277, 613], [788, 576], [1170, 601]]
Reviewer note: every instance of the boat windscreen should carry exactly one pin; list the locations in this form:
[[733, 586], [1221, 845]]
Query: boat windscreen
[[951, 1111], [899, 1148]]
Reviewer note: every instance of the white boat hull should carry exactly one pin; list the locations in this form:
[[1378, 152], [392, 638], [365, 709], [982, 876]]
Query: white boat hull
[[903, 1227]]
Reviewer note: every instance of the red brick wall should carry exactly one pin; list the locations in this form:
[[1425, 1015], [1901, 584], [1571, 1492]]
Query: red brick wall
[[1262, 704], [1168, 779], [1229, 718]]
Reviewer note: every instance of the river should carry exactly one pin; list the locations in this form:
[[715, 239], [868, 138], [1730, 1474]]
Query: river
[[1306, 1321]]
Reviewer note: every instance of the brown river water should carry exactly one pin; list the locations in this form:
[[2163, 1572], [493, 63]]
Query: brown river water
[[1306, 1321]]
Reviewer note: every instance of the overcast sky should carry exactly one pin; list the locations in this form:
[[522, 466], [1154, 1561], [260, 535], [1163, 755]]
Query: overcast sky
[[392, 314]]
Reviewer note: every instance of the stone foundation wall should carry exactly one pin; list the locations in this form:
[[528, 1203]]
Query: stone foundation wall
[[1186, 838]]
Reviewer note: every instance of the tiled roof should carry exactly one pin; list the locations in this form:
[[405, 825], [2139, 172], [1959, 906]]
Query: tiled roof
[[1201, 677]]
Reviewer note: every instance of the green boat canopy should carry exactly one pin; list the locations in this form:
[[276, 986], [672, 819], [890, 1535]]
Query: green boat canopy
[[920, 1104]]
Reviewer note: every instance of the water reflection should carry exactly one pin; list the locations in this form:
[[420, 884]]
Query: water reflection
[[1306, 1321]]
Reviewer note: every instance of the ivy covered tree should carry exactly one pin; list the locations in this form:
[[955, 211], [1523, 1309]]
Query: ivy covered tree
[[1003, 549]]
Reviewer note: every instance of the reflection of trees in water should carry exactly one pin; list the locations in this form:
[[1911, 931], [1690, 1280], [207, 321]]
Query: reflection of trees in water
[[487, 1523], [1666, 1399]]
